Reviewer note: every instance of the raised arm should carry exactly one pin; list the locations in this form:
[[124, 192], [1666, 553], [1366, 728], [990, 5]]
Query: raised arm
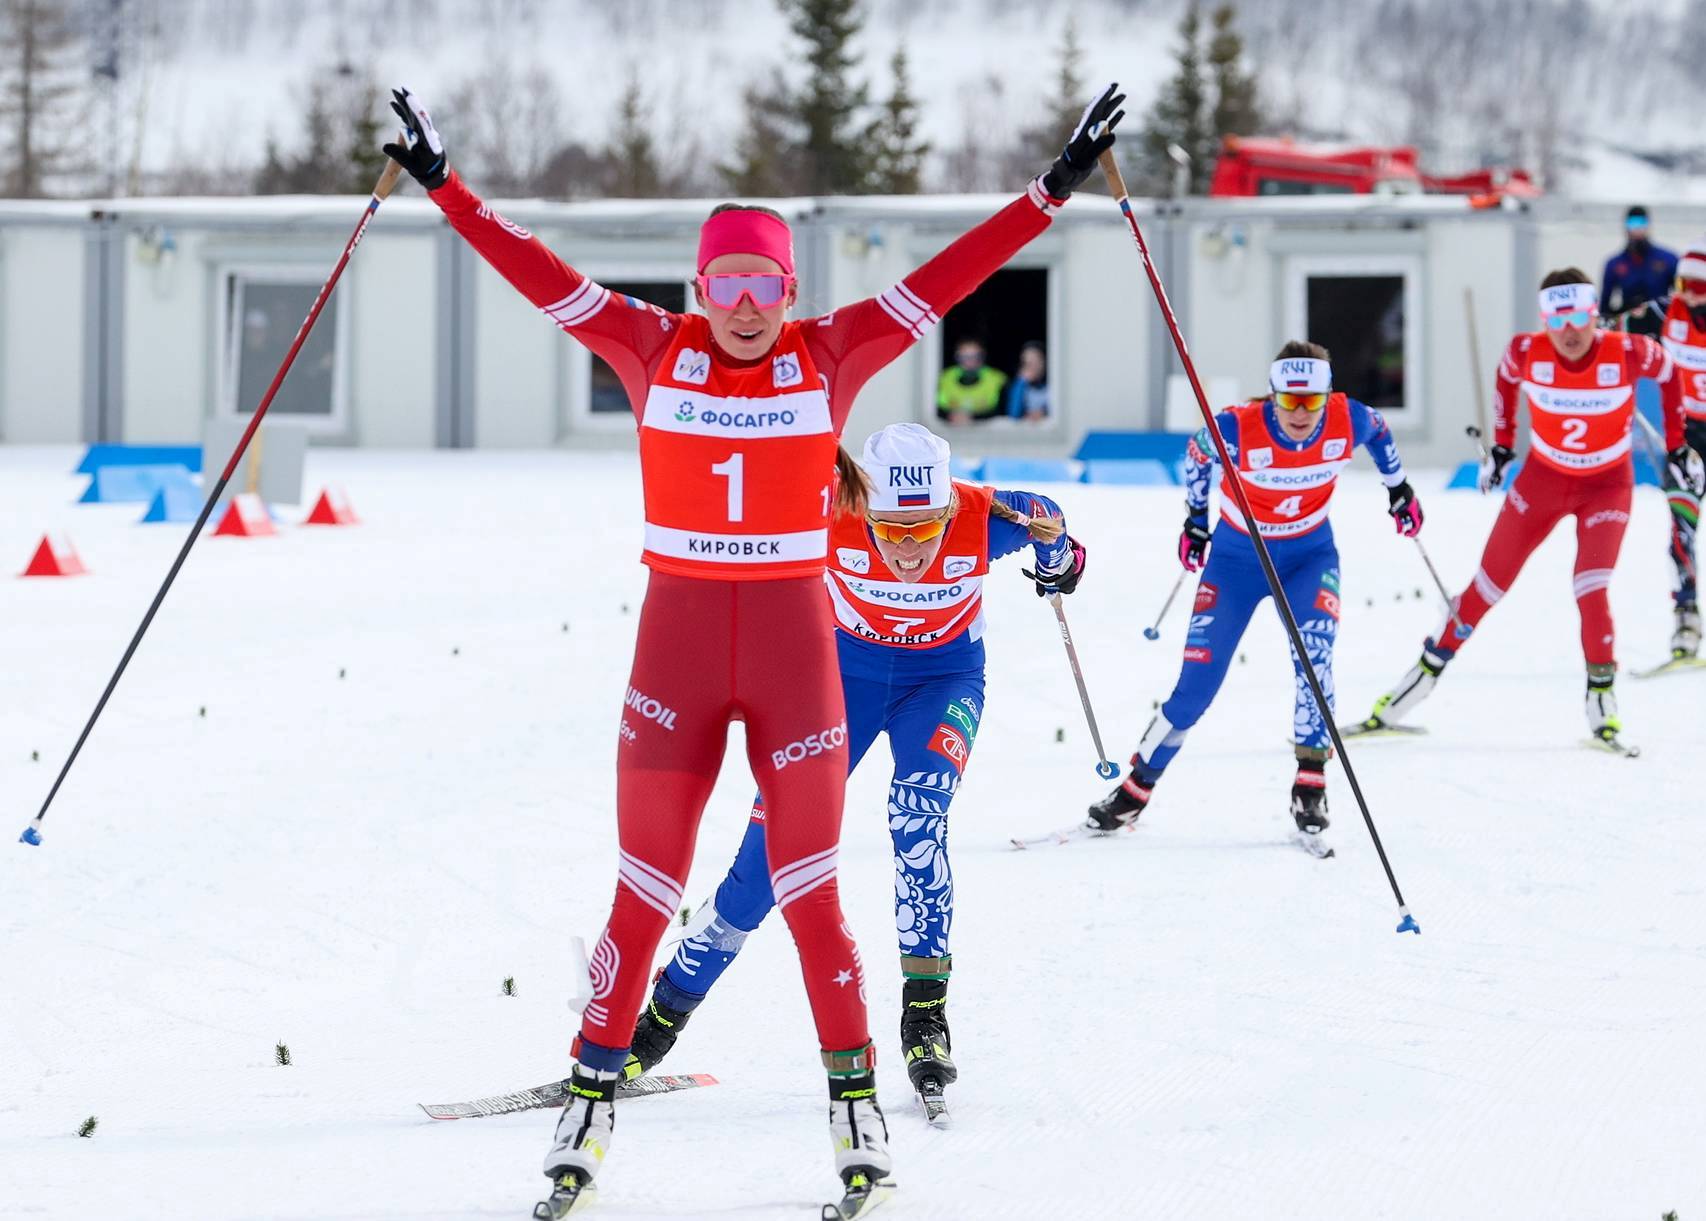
[[630, 335], [853, 343]]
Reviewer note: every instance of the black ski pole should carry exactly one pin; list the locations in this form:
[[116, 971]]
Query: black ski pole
[[1407, 922], [387, 180]]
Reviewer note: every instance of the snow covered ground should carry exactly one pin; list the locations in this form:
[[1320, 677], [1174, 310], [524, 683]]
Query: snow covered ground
[[1193, 1021]]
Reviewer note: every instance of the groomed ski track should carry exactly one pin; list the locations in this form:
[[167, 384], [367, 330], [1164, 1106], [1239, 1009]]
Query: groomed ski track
[[1192, 1021]]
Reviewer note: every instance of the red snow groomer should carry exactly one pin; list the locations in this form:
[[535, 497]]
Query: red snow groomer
[[1267, 165]]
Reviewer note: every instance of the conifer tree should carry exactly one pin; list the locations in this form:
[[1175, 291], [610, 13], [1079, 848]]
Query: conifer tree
[[632, 154], [896, 150], [1237, 111], [766, 153], [828, 108], [1180, 116]]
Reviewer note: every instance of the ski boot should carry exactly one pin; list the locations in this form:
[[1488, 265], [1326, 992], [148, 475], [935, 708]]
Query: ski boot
[[654, 1034], [1603, 722], [1685, 641], [1120, 808], [1309, 807], [584, 1133], [925, 1042], [858, 1132], [1411, 690]]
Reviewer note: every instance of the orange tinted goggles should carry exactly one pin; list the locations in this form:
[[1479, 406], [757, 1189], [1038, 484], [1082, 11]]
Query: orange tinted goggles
[[917, 531], [1300, 402]]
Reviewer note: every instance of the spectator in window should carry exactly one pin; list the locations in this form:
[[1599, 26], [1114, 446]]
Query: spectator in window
[[1637, 276], [969, 389], [1028, 396]]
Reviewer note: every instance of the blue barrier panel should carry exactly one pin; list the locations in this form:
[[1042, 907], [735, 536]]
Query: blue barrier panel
[[97, 456], [1007, 472], [1133, 472], [966, 468], [173, 502], [132, 484], [1167, 447], [1468, 475]]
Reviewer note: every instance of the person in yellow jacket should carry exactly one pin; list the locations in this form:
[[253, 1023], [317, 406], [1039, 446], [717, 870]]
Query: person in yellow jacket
[[969, 389]]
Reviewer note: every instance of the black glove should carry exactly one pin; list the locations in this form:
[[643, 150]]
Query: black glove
[[422, 152], [1093, 135], [1067, 581], [1686, 470], [1193, 542], [1493, 466], [1406, 510]]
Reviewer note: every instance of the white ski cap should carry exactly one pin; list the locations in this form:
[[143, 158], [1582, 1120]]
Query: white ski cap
[[908, 468]]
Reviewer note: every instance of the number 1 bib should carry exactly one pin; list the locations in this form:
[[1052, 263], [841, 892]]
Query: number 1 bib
[[737, 461]]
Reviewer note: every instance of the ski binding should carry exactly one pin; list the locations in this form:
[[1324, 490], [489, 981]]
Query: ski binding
[[935, 1105], [861, 1198], [568, 1194], [1374, 727]]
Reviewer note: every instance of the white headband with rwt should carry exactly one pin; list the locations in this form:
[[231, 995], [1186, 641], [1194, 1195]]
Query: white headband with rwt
[[1563, 298], [1300, 375], [908, 468]]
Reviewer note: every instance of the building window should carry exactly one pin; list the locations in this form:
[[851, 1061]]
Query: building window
[[1006, 314], [607, 396], [1366, 311], [263, 311]]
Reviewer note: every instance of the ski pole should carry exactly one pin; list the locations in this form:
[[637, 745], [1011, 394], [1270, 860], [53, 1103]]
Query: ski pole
[[1475, 365], [1450, 606], [1106, 769], [387, 180], [1154, 633], [1407, 922]]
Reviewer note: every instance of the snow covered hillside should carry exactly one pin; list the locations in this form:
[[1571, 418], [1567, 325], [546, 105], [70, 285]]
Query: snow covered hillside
[[357, 777]]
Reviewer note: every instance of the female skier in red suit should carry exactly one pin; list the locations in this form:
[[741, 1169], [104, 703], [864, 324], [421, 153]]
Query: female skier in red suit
[[739, 413]]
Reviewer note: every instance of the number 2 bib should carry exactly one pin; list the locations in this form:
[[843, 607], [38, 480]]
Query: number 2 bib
[[736, 461]]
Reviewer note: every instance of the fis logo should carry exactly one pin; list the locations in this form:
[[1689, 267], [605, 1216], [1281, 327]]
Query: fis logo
[[852, 560], [1543, 371], [1261, 459], [785, 370], [692, 367]]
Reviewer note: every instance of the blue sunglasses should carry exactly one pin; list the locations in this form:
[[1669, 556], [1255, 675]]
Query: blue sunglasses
[[1575, 317]]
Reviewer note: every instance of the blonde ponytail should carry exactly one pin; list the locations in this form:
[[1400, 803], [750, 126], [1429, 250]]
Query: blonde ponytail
[[1043, 529]]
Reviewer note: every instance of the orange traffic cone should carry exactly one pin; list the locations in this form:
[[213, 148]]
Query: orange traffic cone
[[55, 557]]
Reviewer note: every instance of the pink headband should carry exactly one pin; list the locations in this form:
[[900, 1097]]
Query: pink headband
[[740, 232]]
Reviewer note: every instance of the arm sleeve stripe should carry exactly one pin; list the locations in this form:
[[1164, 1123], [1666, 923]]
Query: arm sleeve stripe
[[579, 305], [903, 305]]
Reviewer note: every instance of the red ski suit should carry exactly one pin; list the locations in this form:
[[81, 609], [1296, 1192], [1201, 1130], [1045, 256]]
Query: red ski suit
[[735, 624], [1580, 417]]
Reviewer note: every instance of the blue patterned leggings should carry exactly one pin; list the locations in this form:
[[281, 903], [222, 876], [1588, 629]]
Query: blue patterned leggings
[[931, 726]]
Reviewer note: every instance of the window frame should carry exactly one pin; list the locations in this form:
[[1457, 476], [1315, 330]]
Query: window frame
[[1053, 265], [1412, 414], [334, 424], [580, 418]]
